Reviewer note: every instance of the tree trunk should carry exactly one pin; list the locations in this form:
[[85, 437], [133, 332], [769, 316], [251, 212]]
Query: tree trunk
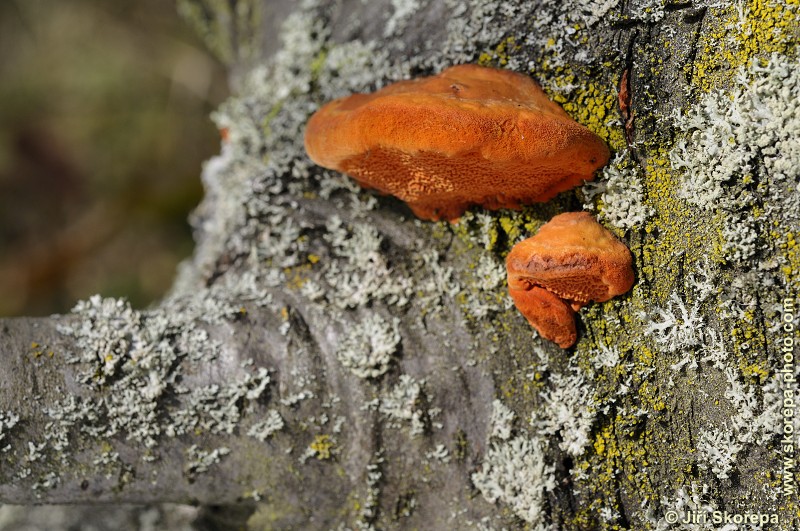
[[337, 363]]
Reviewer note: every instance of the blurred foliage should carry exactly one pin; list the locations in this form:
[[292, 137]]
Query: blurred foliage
[[228, 27], [103, 129]]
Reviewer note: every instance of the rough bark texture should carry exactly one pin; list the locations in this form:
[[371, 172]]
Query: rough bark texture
[[342, 364]]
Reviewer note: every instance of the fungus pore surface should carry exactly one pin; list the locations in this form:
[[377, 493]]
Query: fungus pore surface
[[571, 261], [469, 136]]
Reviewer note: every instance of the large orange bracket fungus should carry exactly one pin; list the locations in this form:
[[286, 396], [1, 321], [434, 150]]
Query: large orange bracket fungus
[[469, 136], [571, 261]]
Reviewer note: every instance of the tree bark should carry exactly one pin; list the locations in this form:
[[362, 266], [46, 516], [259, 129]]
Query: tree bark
[[332, 361]]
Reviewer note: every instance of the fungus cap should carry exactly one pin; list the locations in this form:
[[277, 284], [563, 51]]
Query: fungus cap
[[470, 135], [548, 313], [573, 258]]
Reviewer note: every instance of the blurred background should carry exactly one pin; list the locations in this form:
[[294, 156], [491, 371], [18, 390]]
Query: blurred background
[[103, 130]]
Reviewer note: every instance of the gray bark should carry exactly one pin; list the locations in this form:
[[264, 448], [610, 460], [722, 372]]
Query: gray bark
[[300, 273]]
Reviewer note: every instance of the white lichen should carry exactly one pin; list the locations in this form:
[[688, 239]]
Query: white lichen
[[516, 473], [502, 421], [693, 505], [731, 133], [369, 346], [299, 387], [440, 453], [605, 357], [591, 11], [717, 450], [486, 294], [439, 284], [352, 67], [263, 430], [139, 359], [490, 274], [7, 421], [675, 326], [567, 411], [216, 408], [48, 481], [621, 193], [199, 461], [702, 279], [404, 404], [402, 10], [486, 227], [369, 510], [608, 514], [741, 238], [363, 272], [757, 417], [649, 11]]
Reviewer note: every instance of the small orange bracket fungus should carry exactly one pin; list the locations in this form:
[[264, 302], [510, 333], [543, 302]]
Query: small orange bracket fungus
[[571, 261], [469, 136]]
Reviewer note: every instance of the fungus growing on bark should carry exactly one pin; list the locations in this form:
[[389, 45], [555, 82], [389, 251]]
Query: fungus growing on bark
[[571, 261], [469, 136]]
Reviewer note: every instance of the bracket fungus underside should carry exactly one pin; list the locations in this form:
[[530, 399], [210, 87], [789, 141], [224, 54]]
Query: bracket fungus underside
[[470, 135], [571, 261]]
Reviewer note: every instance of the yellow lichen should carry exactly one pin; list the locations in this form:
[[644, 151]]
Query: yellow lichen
[[322, 446], [499, 56], [753, 29], [297, 276]]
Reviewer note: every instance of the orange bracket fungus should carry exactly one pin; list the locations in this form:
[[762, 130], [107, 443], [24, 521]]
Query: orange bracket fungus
[[571, 261], [469, 136]]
